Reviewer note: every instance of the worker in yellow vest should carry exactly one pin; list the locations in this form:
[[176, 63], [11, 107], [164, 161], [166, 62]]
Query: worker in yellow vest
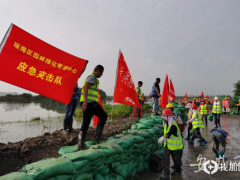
[[90, 107], [217, 110], [139, 93], [173, 144], [197, 123], [189, 115], [203, 109]]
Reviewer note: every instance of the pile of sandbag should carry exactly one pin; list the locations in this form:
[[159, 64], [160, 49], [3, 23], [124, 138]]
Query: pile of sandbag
[[119, 158]]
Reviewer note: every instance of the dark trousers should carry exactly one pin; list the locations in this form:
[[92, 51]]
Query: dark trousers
[[217, 118], [138, 110], [238, 109], [176, 156], [197, 134], [70, 110], [93, 108], [189, 128], [205, 118]]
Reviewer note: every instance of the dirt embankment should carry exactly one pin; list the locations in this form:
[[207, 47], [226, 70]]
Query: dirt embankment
[[13, 156]]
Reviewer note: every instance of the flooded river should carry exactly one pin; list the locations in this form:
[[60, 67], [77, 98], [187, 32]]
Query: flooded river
[[16, 122]]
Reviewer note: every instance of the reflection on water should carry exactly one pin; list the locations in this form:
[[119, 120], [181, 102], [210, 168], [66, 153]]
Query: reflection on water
[[16, 124], [14, 106]]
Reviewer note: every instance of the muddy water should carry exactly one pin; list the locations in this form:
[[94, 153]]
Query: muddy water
[[16, 124], [191, 153]]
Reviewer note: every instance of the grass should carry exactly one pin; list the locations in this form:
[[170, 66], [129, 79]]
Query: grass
[[36, 119], [119, 111]]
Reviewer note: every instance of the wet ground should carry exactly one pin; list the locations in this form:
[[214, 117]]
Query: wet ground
[[229, 123]]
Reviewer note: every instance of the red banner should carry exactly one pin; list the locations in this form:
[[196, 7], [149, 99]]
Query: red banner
[[96, 119], [125, 92], [32, 64], [165, 93], [171, 92], [202, 95]]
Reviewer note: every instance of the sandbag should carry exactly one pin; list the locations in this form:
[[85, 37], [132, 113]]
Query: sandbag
[[17, 176], [84, 176], [109, 148], [113, 177], [146, 166], [124, 172], [105, 171], [85, 169], [62, 177], [90, 154], [98, 162], [133, 173], [143, 126], [98, 176], [140, 167], [80, 164], [67, 149], [47, 168], [117, 167], [134, 126]]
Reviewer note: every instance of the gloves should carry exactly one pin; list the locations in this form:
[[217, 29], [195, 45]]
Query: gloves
[[161, 139]]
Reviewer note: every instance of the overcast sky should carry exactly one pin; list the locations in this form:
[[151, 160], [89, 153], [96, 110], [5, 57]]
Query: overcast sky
[[196, 42]]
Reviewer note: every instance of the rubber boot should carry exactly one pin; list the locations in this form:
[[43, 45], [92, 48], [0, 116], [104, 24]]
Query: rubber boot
[[187, 138], [216, 155], [166, 175], [98, 133], [199, 140], [220, 156], [204, 142], [81, 140], [192, 141], [176, 172]]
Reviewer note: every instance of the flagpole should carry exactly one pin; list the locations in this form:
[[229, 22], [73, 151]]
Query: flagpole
[[115, 83]]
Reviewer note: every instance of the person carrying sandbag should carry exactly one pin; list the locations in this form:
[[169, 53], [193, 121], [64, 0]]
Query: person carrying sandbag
[[217, 110], [90, 107], [173, 144], [219, 137], [197, 124]]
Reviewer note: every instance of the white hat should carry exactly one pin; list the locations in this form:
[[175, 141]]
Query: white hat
[[216, 98], [188, 105]]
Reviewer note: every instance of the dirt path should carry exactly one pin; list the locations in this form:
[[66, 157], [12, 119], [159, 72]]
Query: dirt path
[[229, 123], [13, 156]]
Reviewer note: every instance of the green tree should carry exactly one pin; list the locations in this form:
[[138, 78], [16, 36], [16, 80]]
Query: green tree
[[236, 90]]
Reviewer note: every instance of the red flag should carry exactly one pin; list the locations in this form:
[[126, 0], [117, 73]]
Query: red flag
[[185, 96], [134, 112], [96, 119], [32, 64], [125, 92], [165, 93], [202, 95], [171, 92]]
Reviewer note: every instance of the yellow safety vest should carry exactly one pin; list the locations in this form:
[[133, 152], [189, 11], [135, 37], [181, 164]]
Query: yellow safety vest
[[139, 93], [197, 123], [173, 142], [92, 91], [217, 109], [203, 109]]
